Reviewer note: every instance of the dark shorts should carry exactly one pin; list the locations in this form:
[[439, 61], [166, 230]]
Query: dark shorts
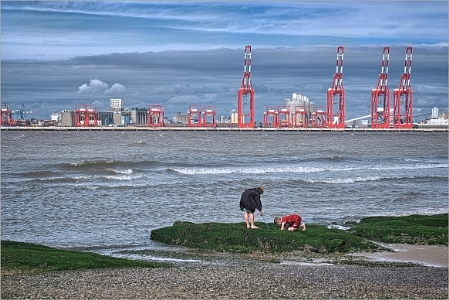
[[244, 209]]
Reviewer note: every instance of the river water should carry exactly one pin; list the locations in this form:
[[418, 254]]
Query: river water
[[103, 191]]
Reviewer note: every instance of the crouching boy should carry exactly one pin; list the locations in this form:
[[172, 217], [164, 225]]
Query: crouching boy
[[291, 222]]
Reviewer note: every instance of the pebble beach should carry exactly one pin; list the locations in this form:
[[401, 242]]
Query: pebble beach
[[234, 279]]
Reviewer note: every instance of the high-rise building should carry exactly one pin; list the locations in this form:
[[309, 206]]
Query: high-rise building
[[116, 104]]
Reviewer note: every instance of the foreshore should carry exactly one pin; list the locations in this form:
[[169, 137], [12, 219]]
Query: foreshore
[[245, 280], [239, 278]]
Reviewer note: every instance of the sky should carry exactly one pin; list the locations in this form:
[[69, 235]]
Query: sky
[[55, 55]]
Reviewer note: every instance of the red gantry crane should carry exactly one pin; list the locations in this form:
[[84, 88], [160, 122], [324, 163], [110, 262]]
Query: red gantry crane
[[155, 115], [194, 116], [86, 115], [403, 95], [336, 95], [209, 116], [380, 96], [245, 110], [270, 117], [7, 118], [284, 116]]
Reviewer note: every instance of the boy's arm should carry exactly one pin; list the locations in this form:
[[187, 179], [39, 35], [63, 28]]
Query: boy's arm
[[282, 225]]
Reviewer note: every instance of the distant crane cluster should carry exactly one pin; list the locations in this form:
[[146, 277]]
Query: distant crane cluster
[[18, 116], [403, 96], [334, 115], [297, 114]]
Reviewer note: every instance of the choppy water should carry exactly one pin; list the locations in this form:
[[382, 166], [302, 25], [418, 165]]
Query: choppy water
[[108, 190]]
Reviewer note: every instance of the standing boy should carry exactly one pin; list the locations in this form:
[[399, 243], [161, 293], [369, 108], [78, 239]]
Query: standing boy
[[291, 221], [249, 202]]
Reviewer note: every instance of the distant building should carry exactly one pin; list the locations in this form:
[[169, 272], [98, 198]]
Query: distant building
[[437, 119], [223, 119], [56, 116], [68, 118], [235, 117], [116, 104], [300, 108], [180, 118], [139, 116]]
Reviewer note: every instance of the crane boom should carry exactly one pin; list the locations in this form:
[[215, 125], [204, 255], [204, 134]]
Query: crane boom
[[336, 95], [245, 111], [380, 95], [403, 95]]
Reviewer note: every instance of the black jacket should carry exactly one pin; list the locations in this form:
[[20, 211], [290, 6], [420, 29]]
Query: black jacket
[[250, 200]]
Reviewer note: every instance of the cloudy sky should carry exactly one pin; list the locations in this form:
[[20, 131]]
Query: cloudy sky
[[59, 54]]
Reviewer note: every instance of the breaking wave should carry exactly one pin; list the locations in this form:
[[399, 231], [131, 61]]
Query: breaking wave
[[109, 164], [296, 169]]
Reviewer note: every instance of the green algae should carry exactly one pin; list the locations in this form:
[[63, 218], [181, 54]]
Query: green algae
[[20, 257], [413, 229], [236, 238]]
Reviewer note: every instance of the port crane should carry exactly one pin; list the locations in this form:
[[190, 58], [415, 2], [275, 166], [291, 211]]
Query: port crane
[[380, 96], [6, 115], [155, 115], [336, 95], [86, 115], [403, 95], [245, 110], [22, 112]]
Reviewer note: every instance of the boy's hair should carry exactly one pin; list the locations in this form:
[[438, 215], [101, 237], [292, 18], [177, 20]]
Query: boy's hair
[[276, 220], [260, 188]]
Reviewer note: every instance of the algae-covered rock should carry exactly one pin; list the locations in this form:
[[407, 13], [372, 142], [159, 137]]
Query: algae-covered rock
[[235, 237], [181, 223], [231, 237], [413, 229]]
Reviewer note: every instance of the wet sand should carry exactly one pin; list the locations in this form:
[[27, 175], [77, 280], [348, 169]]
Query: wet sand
[[432, 256]]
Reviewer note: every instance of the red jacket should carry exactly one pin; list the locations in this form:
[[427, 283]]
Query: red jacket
[[292, 220]]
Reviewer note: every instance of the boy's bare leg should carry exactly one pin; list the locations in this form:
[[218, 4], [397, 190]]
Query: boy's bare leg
[[247, 219], [251, 218]]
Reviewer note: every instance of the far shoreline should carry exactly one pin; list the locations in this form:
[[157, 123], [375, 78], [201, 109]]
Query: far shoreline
[[226, 129]]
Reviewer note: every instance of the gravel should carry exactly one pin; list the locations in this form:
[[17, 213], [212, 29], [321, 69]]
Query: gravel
[[237, 279]]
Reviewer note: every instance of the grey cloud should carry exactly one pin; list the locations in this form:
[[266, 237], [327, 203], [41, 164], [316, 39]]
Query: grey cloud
[[193, 99], [94, 86], [116, 89]]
